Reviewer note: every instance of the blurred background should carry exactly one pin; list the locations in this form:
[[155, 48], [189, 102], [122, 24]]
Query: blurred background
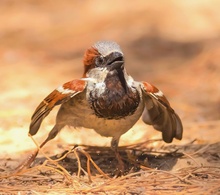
[[174, 45]]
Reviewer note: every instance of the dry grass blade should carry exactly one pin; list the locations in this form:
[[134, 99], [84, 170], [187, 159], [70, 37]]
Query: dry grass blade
[[144, 179], [88, 162], [26, 163], [191, 158], [53, 165], [79, 163], [153, 179]]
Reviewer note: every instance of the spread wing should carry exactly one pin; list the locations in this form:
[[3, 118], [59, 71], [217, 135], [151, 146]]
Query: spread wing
[[57, 97], [159, 113]]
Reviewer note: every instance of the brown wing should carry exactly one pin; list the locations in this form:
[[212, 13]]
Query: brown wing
[[159, 113], [57, 97]]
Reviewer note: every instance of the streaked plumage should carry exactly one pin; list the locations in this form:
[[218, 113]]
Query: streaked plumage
[[108, 100]]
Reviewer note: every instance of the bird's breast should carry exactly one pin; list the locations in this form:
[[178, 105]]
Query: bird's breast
[[112, 101]]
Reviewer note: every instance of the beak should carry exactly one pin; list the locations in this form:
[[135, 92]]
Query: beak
[[117, 65], [115, 61]]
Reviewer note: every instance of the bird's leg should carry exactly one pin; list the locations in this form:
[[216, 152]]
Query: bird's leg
[[27, 162], [114, 146], [53, 133]]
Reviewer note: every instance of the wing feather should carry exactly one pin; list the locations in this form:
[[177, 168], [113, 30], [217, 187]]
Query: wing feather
[[58, 96], [159, 113]]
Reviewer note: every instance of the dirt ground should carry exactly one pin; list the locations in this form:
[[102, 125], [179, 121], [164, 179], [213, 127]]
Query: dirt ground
[[174, 45]]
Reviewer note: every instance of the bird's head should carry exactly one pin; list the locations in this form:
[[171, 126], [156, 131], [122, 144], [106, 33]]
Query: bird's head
[[103, 55]]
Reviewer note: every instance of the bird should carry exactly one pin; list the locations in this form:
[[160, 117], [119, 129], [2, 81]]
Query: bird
[[107, 99]]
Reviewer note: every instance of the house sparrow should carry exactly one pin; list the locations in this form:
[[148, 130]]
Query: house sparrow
[[108, 100]]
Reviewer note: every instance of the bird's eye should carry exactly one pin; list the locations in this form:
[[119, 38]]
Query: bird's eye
[[99, 61]]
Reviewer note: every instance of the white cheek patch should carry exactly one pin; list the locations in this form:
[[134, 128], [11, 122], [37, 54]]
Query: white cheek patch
[[64, 91], [100, 85], [130, 81], [159, 93], [104, 69]]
